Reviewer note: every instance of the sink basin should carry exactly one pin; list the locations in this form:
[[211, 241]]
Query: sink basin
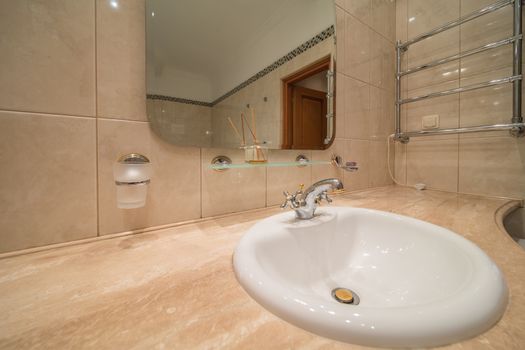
[[414, 284]]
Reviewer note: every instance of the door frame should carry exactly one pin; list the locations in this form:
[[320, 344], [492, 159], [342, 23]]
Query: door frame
[[287, 102]]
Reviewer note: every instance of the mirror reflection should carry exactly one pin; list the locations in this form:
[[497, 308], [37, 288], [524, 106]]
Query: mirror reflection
[[236, 73]]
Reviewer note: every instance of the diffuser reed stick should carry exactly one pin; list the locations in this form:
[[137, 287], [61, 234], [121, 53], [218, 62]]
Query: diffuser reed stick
[[260, 154], [249, 128], [242, 126], [254, 124], [236, 131]]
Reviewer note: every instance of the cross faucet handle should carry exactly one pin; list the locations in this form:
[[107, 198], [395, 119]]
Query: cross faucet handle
[[321, 196], [290, 200]]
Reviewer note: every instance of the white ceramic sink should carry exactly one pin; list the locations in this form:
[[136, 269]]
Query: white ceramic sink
[[419, 284]]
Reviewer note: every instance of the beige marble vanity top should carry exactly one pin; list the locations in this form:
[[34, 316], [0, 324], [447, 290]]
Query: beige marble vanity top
[[175, 288]]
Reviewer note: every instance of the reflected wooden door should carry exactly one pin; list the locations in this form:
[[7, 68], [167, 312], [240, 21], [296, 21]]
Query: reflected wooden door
[[308, 118]]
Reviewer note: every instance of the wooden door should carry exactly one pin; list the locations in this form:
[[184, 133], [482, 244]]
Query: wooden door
[[308, 118]]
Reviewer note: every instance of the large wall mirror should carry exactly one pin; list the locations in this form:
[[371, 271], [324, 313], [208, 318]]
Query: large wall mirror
[[237, 72]]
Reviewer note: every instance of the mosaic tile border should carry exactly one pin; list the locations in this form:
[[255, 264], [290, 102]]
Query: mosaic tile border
[[325, 34], [180, 100]]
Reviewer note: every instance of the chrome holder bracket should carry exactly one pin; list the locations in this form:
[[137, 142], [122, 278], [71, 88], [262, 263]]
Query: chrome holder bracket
[[302, 160], [221, 161], [517, 131], [348, 166], [401, 138]]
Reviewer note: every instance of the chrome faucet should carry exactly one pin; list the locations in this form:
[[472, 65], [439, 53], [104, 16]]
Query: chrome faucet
[[305, 203]]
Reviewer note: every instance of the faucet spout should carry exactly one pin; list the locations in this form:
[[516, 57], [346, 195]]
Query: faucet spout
[[305, 203]]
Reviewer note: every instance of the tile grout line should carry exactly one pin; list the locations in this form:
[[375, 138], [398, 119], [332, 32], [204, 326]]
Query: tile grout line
[[369, 150], [200, 181], [459, 100], [367, 25], [266, 187], [64, 115], [124, 120], [47, 114], [96, 124], [266, 183]]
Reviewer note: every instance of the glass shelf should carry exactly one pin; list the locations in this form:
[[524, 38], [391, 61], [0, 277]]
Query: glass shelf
[[268, 164]]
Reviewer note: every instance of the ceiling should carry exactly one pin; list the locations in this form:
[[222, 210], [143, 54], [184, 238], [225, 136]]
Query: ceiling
[[226, 41]]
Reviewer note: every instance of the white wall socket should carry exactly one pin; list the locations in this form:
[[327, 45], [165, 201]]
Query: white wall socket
[[430, 122]]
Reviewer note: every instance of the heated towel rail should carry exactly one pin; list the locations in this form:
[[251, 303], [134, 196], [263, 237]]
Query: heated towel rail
[[516, 125]]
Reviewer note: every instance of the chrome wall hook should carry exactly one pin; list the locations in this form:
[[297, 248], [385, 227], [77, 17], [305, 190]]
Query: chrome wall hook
[[348, 166]]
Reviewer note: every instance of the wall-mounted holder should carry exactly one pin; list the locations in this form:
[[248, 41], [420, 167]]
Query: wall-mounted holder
[[132, 174], [221, 163], [348, 166], [302, 160]]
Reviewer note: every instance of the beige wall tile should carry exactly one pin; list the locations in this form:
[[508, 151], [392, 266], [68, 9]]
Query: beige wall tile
[[281, 179], [499, 59], [231, 190], [399, 152], [357, 101], [486, 106], [468, 6], [382, 62], [320, 172], [401, 20], [446, 107], [357, 49], [340, 105], [360, 9], [492, 166], [47, 61], [425, 15], [357, 151], [340, 32], [486, 29], [403, 117], [174, 191], [383, 18], [180, 123], [382, 113], [378, 164], [121, 65], [48, 180], [431, 77], [434, 163], [428, 50]]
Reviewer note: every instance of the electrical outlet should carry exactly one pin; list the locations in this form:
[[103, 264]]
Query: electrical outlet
[[430, 122]]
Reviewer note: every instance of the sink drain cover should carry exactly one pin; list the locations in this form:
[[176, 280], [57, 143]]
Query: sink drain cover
[[345, 296]]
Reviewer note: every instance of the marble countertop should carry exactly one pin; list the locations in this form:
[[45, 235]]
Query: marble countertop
[[175, 288]]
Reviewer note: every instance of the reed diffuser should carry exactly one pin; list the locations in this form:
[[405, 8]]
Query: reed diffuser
[[255, 152]]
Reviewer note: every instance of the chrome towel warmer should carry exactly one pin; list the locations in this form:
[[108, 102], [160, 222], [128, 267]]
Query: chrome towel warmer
[[516, 126]]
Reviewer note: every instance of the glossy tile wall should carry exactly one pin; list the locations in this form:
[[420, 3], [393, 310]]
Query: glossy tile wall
[[482, 163], [264, 95], [72, 100], [365, 91], [190, 124]]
